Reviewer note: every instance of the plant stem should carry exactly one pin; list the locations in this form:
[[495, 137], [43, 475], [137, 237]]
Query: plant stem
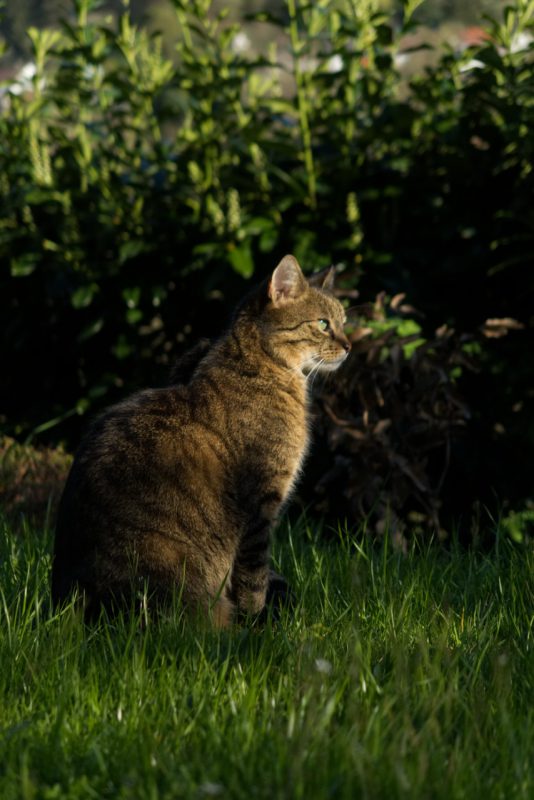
[[302, 101]]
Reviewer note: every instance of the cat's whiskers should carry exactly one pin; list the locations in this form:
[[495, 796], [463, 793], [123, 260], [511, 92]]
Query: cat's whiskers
[[297, 370], [314, 371]]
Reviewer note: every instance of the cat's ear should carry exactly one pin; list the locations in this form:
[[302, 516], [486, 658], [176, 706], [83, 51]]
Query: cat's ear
[[287, 281], [324, 279]]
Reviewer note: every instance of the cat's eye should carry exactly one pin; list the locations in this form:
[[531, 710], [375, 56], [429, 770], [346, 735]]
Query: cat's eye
[[323, 324]]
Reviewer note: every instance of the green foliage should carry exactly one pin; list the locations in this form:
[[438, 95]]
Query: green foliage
[[139, 193], [435, 12], [398, 676], [16, 16]]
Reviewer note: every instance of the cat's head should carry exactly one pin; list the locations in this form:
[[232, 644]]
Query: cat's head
[[303, 322]]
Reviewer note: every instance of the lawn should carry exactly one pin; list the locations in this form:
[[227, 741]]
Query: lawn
[[398, 675]]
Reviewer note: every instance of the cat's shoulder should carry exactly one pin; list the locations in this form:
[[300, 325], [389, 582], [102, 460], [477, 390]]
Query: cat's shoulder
[[147, 402], [144, 411]]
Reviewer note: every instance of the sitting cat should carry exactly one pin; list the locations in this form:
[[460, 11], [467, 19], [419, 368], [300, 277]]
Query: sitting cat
[[178, 488]]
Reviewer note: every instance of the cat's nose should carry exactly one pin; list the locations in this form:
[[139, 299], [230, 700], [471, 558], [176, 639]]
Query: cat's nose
[[346, 345]]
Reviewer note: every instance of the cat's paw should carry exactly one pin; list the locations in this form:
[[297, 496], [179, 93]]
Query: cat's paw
[[279, 595]]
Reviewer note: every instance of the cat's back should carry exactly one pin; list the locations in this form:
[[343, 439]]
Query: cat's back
[[128, 436], [135, 474]]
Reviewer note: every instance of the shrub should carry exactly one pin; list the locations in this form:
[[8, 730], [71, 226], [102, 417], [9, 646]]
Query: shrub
[[31, 480], [139, 194]]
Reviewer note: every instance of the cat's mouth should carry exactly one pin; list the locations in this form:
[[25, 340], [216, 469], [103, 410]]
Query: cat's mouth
[[316, 364], [331, 366]]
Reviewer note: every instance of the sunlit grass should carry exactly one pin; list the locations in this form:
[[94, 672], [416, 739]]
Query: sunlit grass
[[396, 676]]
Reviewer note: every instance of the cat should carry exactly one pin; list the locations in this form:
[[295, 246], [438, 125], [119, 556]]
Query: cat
[[178, 488]]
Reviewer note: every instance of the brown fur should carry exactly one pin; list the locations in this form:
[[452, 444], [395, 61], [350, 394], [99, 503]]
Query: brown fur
[[179, 487]]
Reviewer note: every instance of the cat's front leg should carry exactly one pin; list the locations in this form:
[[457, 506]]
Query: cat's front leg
[[279, 594], [250, 573]]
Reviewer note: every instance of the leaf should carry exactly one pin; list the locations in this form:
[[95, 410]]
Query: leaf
[[497, 328], [241, 260], [37, 196], [23, 265], [134, 315], [83, 296], [397, 300], [209, 249], [408, 327], [267, 231], [131, 249], [131, 296], [48, 244], [91, 330], [258, 225], [122, 349], [159, 293]]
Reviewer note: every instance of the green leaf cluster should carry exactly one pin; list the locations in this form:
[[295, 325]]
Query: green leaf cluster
[[139, 192]]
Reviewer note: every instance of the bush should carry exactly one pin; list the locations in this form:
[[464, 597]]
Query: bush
[[139, 194], [31, 481]]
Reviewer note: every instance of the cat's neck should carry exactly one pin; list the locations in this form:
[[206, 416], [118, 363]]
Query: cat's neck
[[242, 350]]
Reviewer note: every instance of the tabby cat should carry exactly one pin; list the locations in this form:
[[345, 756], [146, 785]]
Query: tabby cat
[[179, 487]]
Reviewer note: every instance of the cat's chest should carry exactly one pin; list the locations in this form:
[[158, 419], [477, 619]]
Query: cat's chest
[[284, 441], [270, 470]]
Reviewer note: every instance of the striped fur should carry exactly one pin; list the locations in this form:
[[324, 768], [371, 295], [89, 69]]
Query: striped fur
[[179, 488]]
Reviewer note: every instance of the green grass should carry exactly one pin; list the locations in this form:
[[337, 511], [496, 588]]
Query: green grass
[[398, 676]]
